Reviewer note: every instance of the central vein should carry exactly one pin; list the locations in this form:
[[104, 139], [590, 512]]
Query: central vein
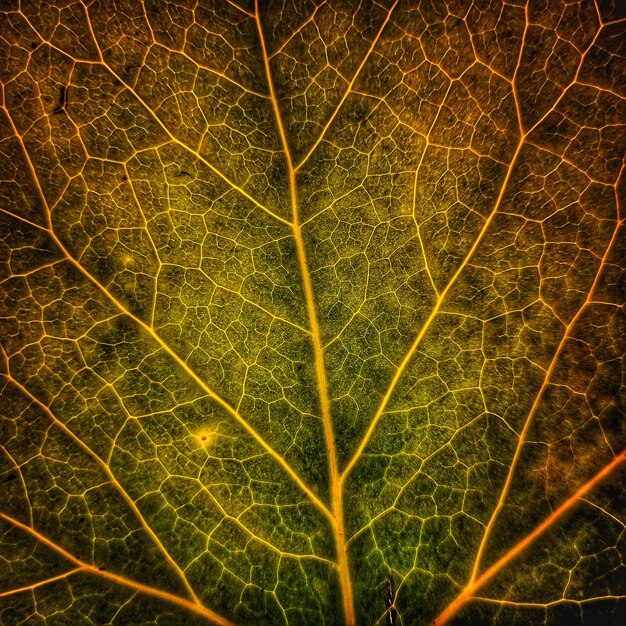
[[335, 483]]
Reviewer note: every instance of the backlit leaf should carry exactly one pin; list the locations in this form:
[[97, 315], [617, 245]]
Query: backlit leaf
[[312, 312]]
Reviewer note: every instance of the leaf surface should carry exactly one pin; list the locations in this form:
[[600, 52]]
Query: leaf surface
[[312, 312]]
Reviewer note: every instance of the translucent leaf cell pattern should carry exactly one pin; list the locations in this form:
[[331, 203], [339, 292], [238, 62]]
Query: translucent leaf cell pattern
[[312, 312]]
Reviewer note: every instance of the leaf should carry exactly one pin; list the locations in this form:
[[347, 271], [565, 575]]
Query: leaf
[[312, 312]]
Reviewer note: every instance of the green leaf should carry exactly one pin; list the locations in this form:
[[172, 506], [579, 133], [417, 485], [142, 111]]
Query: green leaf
[[312, 312]]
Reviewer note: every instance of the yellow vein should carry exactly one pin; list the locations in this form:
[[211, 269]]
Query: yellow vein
[[156, 337], [213, 71], [468, 592], [17, 466], [25, 220], [156, 118], [320, 368], [183, 53], [537, 402], [152, 243], [297, 30], [111, 476], [407, 358], [604, 511], [42, 583], [348, 89], [407, 481], [433, 314], [215, 283], [236, 6], [417, 171], [237, 522], [276, 318], [121, 580], [518, 64], [544, 605]]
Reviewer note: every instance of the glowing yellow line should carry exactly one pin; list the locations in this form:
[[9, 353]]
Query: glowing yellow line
[[469, 591], [335, 489], [535, 406], [207, 390], [41, 583], [172, 137], [107, 470], [122, 580], [456, 275], [348, 90]]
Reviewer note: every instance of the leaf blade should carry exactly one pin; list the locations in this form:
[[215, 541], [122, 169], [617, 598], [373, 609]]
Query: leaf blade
[[316, 297]]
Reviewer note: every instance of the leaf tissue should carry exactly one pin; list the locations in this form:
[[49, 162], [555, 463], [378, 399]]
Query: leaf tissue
[[312, 312]]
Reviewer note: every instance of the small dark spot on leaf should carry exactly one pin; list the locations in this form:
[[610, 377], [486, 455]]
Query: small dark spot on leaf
[[131, 68], [9, 477], [181, 173], [62, 102], [389, 597], [124, 178]]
